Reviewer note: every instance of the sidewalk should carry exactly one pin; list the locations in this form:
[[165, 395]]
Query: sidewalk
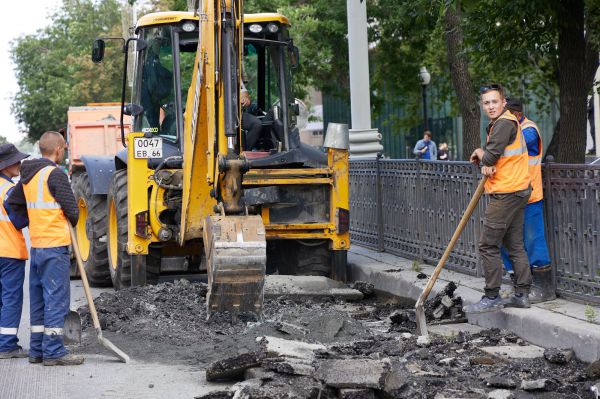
[[554, 324]]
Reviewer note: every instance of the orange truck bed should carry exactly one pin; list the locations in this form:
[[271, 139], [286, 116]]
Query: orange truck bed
[[94, 130]]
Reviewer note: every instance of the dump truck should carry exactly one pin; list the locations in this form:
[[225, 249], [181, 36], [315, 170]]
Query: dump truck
[[186, 194], [94, 137]]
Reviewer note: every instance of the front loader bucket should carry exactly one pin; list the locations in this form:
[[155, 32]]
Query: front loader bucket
[[236, 255]]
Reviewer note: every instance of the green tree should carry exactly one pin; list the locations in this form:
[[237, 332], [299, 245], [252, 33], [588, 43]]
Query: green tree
[[3, 140], [53, 68]]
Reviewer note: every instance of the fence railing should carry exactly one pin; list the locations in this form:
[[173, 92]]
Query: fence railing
[[411, 208]]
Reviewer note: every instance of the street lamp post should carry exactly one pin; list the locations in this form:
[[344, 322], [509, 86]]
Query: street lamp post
[[425, 79]]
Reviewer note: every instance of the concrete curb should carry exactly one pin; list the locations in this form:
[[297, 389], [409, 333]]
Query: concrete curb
[[537, 325]]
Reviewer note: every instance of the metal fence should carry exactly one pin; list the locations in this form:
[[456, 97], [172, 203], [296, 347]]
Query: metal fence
[[411, 208]]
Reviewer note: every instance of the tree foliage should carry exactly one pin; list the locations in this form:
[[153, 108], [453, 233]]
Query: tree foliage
[[53, 66]]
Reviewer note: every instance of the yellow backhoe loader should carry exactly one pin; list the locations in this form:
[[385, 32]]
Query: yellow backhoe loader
[[188, 193]]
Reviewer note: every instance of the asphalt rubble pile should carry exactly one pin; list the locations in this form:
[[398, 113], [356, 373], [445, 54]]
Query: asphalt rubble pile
[[328, 348]]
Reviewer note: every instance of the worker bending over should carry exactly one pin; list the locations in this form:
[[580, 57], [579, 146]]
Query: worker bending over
[[44, 191], [505, 163], [13, 253]]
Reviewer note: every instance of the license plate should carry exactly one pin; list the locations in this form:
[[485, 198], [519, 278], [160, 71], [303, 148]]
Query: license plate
[[147, 147]]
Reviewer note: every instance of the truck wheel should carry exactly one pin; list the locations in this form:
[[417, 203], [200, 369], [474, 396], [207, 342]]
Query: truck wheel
[[90, 230], [118, 258]]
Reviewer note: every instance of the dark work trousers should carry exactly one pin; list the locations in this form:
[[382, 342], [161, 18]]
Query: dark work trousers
[[503, 225], [12, 274], [49, 297], [253, 126]]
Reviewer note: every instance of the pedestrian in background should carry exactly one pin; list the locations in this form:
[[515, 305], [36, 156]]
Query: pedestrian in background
[[45, 194], [443, 154], [425, 148], [534, 238], [13, 253], [505, 163]]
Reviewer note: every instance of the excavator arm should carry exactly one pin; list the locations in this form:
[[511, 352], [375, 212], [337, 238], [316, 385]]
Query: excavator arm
[[234, 242]]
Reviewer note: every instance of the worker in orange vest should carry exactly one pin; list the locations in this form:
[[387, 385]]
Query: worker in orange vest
[[505, 163], [13, 253], [543, 287], [45, 193]]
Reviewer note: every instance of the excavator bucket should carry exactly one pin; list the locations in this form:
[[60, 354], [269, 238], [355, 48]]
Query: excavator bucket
[[236, 255]]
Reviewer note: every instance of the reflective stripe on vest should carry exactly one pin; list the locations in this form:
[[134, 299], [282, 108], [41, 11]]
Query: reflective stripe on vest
[[512, 169], [12, 244], [535, 164], [48, 226]]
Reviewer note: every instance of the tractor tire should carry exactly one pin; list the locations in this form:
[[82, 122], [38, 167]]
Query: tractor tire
[[91, 231], [119, 260], [300, 258]]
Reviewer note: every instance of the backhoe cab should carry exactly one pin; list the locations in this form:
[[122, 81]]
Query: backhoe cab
[[190, 193]]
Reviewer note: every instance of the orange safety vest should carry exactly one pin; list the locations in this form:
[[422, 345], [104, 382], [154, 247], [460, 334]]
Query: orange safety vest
[[48, 226], [535, 164], [512, 168], [12, 243]]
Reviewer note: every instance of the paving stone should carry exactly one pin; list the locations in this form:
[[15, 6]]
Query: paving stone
[[356, 394], [498, 381], [558, 356], [353, 373], [451, 330], [515, 351], [287, 348], [539, 385], [500, 394], [309, 286], [233, 367]]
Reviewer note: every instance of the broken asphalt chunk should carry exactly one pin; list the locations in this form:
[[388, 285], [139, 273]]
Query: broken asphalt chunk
[[558, 356], [353, 373], [233, 367]]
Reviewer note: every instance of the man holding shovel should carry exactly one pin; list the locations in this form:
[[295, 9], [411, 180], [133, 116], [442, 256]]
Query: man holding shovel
[[13, 253], [505, 163], [45, 193]]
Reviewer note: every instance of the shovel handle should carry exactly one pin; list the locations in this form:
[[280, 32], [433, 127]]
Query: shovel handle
[[463, 222], [84, 280]]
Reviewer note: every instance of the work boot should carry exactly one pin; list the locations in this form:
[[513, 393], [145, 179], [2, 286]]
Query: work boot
[[486, 304], [518, 301], [66, 360], [35, 359], [542, 288], [18, 352]]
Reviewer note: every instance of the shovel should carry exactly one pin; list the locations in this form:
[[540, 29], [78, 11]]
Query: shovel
[[419, 311], [88, 294], [73, 328]]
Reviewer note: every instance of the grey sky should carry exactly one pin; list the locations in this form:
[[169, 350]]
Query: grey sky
[[24, 17]]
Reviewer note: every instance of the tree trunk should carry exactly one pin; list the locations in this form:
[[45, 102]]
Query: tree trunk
[[461, 80], [569, 140]]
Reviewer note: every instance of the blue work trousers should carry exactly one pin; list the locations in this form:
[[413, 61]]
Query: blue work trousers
[[49, 292], [12, 274], [534, 237]]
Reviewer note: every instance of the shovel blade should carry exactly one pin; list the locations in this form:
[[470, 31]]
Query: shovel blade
[[72, 328]]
